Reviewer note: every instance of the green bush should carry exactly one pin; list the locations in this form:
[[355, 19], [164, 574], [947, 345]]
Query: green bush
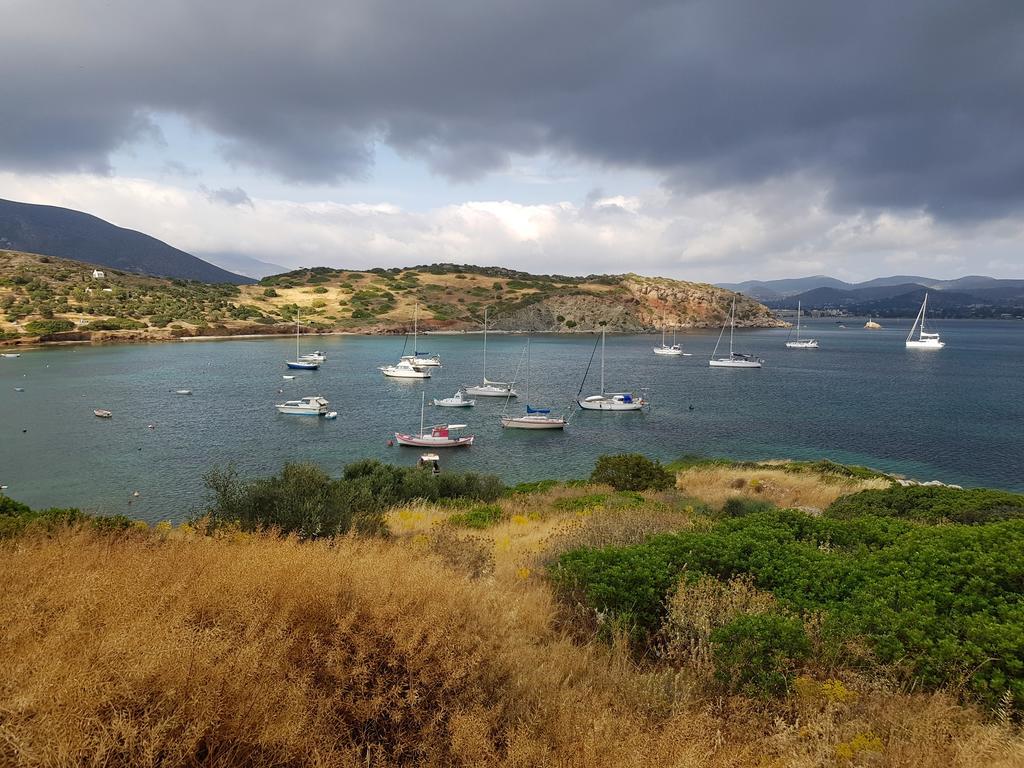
[[738, 506], [17, 518], [941, 603], [757, 654], [270, 293], [319, 289], [631, 472], [306, 501], [483, 516], [931, 504], [44, 327]]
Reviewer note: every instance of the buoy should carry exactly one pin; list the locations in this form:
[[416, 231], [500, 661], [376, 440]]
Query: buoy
[[390, 443], [151, 426], [136, 494]]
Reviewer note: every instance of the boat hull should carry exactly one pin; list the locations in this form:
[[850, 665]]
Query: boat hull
[[489, 391], [813, 344], [925, 344], [532, 422], [396, 373], [668, 351], [300, 411], [726, 363], [454, 404], [427, 441], [610, 405], [302, 365]]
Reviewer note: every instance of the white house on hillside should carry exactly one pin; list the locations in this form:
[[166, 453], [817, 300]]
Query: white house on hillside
[[97, 274]]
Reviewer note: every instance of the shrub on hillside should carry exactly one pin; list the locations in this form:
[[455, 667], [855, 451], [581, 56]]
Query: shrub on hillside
[[270, 293], [738, 506], [631, 472], [114, 324], [758, 654], [17, 518], [44, 327], [931, 504]]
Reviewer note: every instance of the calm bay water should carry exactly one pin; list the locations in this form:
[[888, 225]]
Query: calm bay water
[[956, 415]]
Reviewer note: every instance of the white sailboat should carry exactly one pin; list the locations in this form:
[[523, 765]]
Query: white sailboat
[[607, 401], [924, 340], [298, 363], [490, 388], [799, 343], [735, 359], [420, 359], [534, 418], [439, 436], [674, 351]]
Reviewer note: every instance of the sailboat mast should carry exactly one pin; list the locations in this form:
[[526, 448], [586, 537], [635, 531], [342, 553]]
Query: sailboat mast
[[798, 321], [485, 345], [415, 329], [924, 309], [663, 331], [602, 360], [732, 326], [423, 402], [296, 335], [527, 375]]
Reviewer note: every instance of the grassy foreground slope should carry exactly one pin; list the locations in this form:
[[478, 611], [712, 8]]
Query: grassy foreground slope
[[443, 643], [43, 296]]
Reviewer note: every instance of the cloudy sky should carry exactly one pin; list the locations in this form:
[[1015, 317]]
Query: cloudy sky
[[718, 140]]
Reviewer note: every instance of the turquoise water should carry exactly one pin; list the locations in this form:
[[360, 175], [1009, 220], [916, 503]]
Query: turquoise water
[[954, 415]]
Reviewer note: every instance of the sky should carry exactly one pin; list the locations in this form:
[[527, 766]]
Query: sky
[[717, 140]]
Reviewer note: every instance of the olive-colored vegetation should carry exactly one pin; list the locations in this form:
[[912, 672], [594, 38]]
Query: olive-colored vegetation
[[390, 617]]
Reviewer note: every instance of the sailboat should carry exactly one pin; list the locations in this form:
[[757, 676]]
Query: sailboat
[[675, 350], [490, 388], [534, 418], [405, 368], [439, 436], [298, 362], [735, 359], [924, 340], [420, 359], [798, 343], [607, 401]]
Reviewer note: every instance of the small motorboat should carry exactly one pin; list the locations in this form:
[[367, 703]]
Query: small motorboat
[[286, 377], [404, 369], [183, 391], [455, 401], [19, 389], [429, 461], [331, 415], [317, 357], [11, 354], [305, 406], [103, 413]]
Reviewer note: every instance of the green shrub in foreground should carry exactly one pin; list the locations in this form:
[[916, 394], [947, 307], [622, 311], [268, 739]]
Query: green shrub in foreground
[[757, 654], [17, 518], [631, 472], [480, 517]]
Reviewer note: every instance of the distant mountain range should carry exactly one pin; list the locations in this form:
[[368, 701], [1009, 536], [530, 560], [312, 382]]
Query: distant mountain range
[[62, 232], [899, 295]]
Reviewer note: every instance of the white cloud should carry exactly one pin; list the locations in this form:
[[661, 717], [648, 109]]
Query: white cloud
[[778, 229]]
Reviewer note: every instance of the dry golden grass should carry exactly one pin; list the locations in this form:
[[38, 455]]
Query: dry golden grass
[[248, 650], [716, 485]]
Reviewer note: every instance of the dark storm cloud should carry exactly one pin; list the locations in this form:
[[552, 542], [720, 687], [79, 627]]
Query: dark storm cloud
[[893, 104]]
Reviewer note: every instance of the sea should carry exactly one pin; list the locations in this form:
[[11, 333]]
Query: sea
[[954, 415]]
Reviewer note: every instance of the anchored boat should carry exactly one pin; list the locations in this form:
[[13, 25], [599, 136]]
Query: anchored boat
[[607, 401], [490, 388], [924, 340], [799, 343], [735, 359], [305, 406], [438, 436]]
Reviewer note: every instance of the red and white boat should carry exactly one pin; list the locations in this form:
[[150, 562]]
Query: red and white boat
[[438, 436]]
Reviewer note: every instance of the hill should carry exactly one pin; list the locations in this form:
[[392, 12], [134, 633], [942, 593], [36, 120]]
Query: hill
[[70, 234], [969, 296], [58, 299], [498, 627]]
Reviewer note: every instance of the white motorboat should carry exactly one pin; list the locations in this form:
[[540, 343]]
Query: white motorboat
[[607, 401], [534, 418], [286, 377], [735, 359], [103, 413], [305, 406], [924, 340], [490, 388], [11, 354], [438, 436], [316, 356], [455, 401], [183, 391], [799, 343], [331, 415], [404, 369], [674, 351], [299, 363]]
